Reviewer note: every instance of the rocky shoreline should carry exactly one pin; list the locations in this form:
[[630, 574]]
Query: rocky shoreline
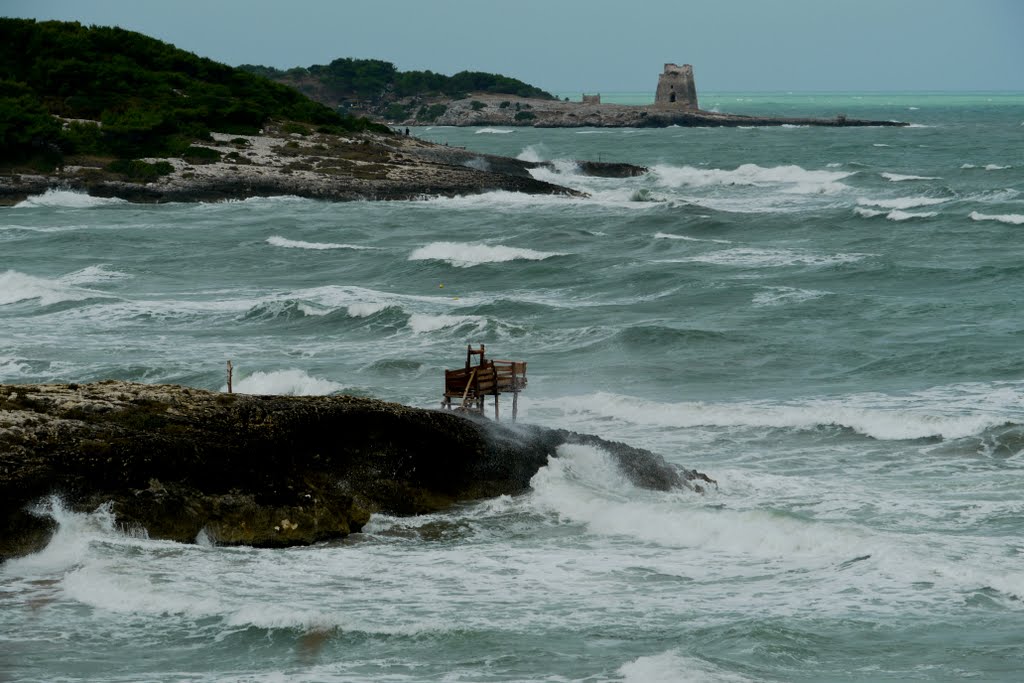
[[484, 109], [178, 463], [364, 166]]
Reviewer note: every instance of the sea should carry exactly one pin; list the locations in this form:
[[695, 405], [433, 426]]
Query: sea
[[824, 320]]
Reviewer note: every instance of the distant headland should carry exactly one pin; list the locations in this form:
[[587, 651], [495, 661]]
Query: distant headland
[[377, 90], [675, 104]]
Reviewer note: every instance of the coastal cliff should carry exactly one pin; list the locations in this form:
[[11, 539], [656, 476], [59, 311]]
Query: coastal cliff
[[268, 471]]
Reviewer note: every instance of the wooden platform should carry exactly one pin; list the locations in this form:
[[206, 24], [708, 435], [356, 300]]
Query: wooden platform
[[466, 388]]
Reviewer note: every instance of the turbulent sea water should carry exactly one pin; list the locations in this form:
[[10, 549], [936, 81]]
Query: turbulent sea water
[[824, 320]]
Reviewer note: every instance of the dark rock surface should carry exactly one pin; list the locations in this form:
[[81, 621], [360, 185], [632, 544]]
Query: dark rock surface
[[266, 471]]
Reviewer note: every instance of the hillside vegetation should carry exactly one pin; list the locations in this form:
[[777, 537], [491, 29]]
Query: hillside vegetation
[[369, 84], [151, 98]]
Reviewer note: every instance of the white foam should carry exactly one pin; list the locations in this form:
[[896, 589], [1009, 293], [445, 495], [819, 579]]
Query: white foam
[[478, 164], [899, 178], [495, 131], [867, 213], [69, 545], [465, 254], [366, 309], [901, 202], [68, 200], [750, 257], [793, 177], [897, 215], [674, 667], [420, 323], [880, 144], [279, 241], [670, 236], [16, 287], [950, 412], [292, 382], [1009, 218], [987, 167], [584, 486], [534, 153]]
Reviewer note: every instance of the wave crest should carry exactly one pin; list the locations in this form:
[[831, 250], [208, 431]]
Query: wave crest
[[465, 254]]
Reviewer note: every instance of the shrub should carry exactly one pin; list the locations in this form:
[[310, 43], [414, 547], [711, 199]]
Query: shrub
[[477, 105], [139, 170], [200, 155], [292, 128], [431, 113], [396, 112], [504, 105], [525, 116]]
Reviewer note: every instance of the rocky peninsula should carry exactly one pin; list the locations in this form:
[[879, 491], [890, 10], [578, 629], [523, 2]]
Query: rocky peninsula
[[482, 109], [357, 166], [270, 471]]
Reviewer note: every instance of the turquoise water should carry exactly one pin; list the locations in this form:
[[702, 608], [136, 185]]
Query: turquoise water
[[824, 320]]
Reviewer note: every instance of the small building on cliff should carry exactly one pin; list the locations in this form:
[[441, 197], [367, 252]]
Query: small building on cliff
[[676, 88]]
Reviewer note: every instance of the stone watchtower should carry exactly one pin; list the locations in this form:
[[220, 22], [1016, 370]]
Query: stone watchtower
[[676, 89]]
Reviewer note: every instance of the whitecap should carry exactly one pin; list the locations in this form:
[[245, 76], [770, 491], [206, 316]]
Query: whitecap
[[1008, 218], [67, 199], [867, 213], [278, 241], [292, 382], [948, 412], [750, 257], [495, 131], [421, 322], [901, 202], [669, 667], [16, 287], [749, 174], [899, 178], [465, 255], [880, 144], [670, 236], [897, 215], [996, 167]]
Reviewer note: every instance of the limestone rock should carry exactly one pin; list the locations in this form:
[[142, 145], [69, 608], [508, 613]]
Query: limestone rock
[[266, 471]]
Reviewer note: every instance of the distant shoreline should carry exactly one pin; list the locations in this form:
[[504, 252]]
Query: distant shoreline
[[485, 109]]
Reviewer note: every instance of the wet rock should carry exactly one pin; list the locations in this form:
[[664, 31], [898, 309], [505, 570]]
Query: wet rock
[[268, 471]]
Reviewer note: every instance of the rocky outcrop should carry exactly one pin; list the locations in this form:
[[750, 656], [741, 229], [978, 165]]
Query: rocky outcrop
[[505, 110], [313, 165], [265, 471]]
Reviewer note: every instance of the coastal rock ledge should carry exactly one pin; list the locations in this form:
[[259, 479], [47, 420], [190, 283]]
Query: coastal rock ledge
[[267, 471]]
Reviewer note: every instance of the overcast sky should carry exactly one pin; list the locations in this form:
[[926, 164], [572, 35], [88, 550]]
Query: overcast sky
[[596, 45]]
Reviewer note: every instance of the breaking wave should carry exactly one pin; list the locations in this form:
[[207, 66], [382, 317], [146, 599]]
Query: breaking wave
[[279, 241], [67, 199], [793, 178], [16, 287], [902, 202], [465, 255], [1008, 218], [291, 382], [899, 178]]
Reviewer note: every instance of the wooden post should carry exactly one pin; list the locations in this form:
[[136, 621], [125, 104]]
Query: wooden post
[[515, 393], [495, 406], [230, 369]]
